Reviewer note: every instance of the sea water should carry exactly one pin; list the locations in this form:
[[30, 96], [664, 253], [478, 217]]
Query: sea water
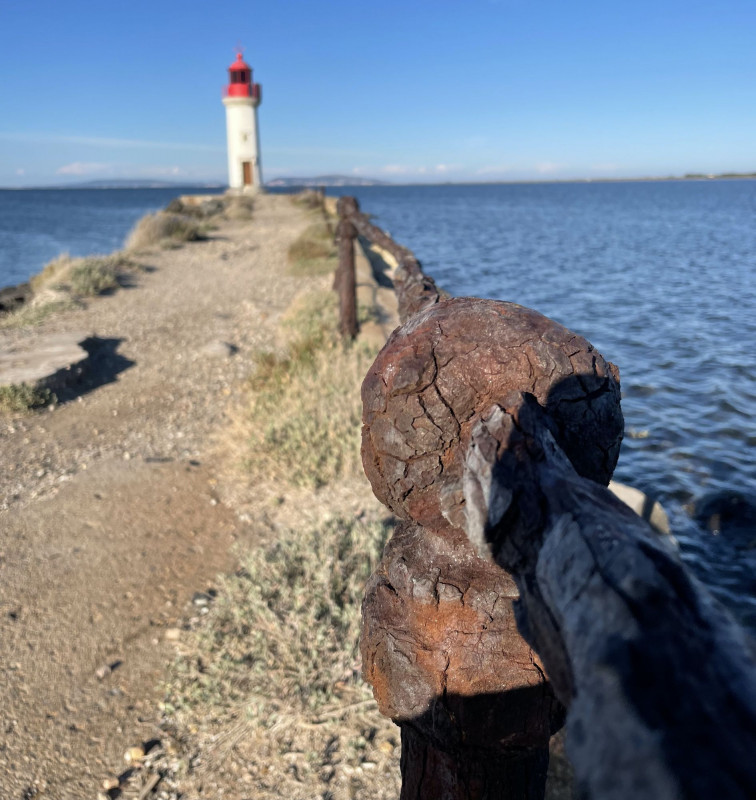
[[659, 276], [37, 225]]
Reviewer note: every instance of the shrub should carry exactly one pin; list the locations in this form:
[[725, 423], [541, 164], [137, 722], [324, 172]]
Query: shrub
[[285, 628], [83, 277], [23, 397], [163, 228], [94, 275]]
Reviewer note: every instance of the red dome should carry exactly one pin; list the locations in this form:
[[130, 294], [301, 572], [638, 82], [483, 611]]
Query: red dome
[[240, 63]]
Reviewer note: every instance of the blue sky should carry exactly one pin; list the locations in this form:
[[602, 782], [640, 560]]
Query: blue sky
[[420, 90]]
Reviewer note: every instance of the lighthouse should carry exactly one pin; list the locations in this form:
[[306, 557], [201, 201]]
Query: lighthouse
[[241, 98]]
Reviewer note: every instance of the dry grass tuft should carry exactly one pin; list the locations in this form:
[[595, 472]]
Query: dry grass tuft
[[283, 632], [33, 313], [164, 229], [65, 281], [95, 275], [309, 199], [314, 252], [83, 277], [276, 661], [239, 207], [305, 409]]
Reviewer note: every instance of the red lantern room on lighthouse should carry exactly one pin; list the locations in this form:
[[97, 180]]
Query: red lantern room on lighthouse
[[242, 97]]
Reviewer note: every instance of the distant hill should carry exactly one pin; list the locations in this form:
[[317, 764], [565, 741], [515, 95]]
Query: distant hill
[[326, 180]]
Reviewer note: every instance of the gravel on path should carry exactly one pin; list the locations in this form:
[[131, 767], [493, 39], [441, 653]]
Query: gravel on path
[[110, 511]]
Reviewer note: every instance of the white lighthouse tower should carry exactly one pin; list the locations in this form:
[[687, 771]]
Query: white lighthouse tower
[[241, 98]]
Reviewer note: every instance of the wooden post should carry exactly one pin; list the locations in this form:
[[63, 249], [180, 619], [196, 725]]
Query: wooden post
[[440, 644], [414, 289], [441, 649], [345, 281], [659, 681], [493, 431]]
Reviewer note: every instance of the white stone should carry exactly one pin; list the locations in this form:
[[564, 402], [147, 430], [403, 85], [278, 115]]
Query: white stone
[[40, 357], [644, 506]]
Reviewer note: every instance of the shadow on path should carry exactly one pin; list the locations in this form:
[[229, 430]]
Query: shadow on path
[[102, 366]]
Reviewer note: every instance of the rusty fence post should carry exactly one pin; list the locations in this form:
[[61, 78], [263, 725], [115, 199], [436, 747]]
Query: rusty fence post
[[440, 642], [345, 281], [493, 432]]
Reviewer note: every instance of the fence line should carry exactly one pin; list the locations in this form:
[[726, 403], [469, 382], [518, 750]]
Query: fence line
[[492, 432]]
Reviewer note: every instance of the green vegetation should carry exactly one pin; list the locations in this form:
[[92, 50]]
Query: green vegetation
[[92, 276], [65, 281], [164, 229], [24, 397], [185, 221], [274, 666], [83, 277]]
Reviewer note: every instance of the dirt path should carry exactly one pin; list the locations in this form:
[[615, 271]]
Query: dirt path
[[110, 517]]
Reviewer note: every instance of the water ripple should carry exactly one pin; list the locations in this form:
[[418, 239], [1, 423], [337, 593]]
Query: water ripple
[[661, 277]]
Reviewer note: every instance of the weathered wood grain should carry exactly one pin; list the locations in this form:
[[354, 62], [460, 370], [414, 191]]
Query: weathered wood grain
[[345, 282], [659, 681], [440, 647]]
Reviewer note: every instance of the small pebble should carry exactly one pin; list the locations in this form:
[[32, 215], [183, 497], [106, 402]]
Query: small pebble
[[133, 755]]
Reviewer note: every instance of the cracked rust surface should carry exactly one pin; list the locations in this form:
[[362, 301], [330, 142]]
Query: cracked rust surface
[[441, 649], [440, 642], [445, 366]]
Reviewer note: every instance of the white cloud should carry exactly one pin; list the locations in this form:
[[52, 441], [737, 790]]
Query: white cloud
[[20, 171], [494, 170], [403, 169], [105, 141], [82, 168], [605, 167], [548, 167]]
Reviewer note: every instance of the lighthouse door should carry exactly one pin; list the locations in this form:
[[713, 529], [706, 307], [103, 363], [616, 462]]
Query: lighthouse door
[[247, 168]]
